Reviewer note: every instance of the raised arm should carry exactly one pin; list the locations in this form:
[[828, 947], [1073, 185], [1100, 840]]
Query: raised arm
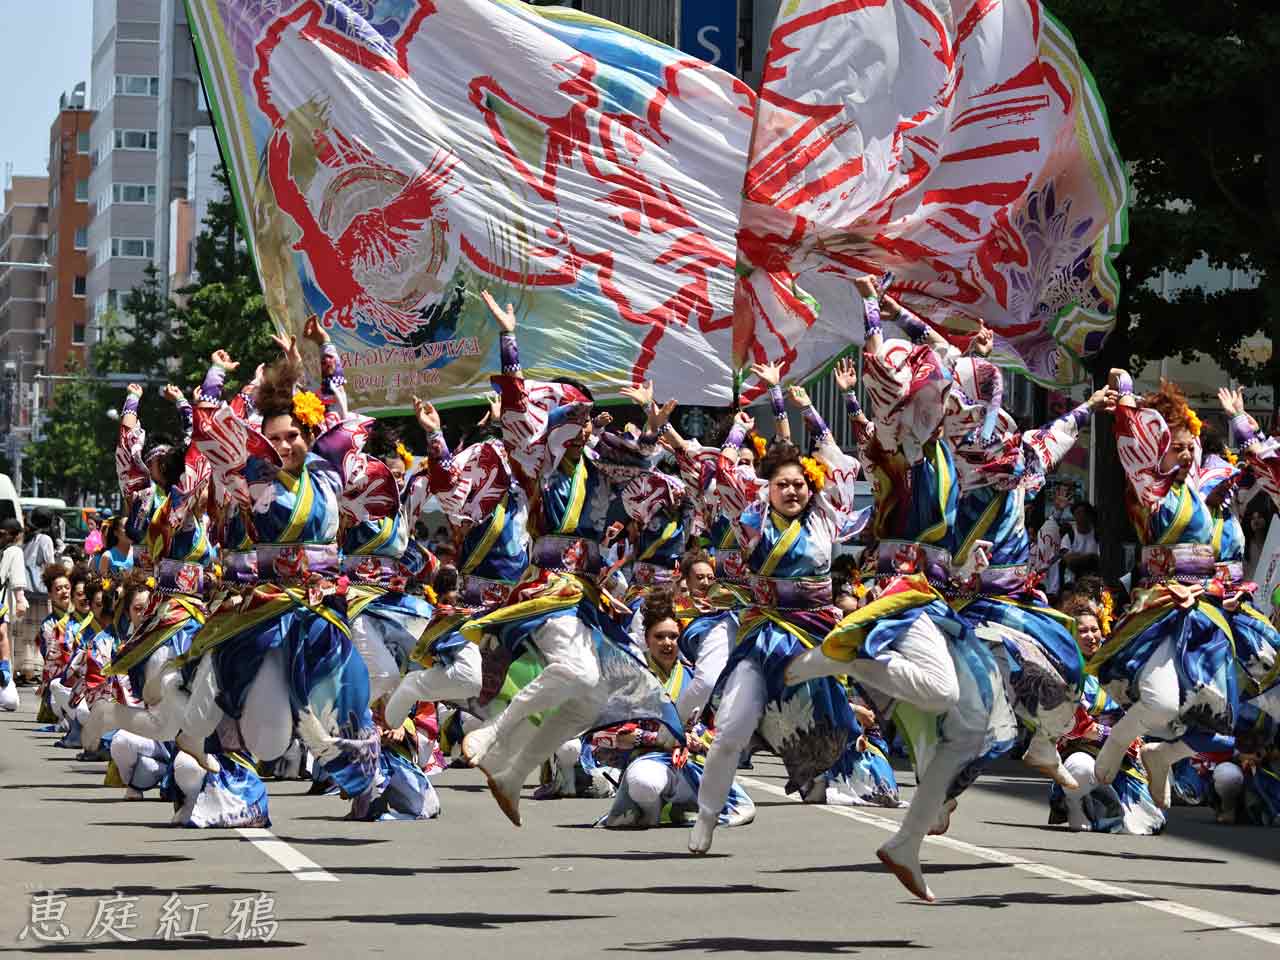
[[736, 491], [1142, 437], [1261, 453], [238, 455], [1052, 442], [135, 479], [770, 375], [839, 492], [333, 384]]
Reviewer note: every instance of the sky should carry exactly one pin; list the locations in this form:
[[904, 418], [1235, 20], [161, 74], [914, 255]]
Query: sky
[[44, 51]]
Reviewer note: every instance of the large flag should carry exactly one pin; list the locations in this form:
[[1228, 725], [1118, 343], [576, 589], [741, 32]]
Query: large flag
[[959, 144], [394, 158]]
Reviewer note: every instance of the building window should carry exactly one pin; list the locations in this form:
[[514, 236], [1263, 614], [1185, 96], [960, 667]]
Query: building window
[[82, 191], [135, 140], [82, 238], [133, 193], [77, 333], [133, 85], [133, 247], [82, 142], [80, 287]]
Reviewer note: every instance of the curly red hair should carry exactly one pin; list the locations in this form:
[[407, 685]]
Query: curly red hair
[[1171, 403]]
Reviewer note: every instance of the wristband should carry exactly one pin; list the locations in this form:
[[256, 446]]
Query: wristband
[[211, 389], [871, 316], [851, 404], [1125, 385], [914, 327], [1243, 430], [779, 405], [814, 423], [1081, 414], [130, 404], [509, 352], [737, 436]]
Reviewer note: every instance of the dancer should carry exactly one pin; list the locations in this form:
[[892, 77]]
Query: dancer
[[1125, 805], [558, 607], [661, 777], [908, 645], [999, 469], [1171, 660], [786, 524], [284, 655], [488, 513], [165, 487]]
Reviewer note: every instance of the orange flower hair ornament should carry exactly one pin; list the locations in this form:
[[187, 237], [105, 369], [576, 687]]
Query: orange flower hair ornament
[[1106, 613], [1230, 456], [1193, 422], [308, 409], [759, 444], [815, 470], [403, 453]]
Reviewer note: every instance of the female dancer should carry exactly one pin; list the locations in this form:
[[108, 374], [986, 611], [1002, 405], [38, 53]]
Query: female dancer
[[165, 487], [1125, 805], [908, 644], [558, 606], [1171, 659], [661, 776], [786, 523], [284, 656], [488, 513], [55, 648]]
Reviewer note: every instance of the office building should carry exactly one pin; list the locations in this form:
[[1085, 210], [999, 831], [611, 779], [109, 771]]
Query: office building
[[66, 284], [147, 97]]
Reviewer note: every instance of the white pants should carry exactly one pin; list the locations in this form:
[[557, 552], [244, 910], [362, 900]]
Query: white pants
[[141, 761], [741, 707], [457, 682], [712, 657], [60, 698], [1080, 766], [917, 669], [651, 783], [1228, 781], [569, 685], [266, 722], [9, 694], [564, 767], [188, 775], [384, 672]]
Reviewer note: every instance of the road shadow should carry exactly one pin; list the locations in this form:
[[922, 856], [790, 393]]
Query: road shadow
[[146, 890], [52, 786], [107, 859], [634, 855], [1116, 855], [679, 891], [878, 867], [384, 871], [1246, 888], [458, 921], [755, 945], [998, 901], [335, 841], [187, 943]]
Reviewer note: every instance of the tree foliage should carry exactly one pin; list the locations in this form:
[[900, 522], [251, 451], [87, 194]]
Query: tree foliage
[[159, 340], [1194, 101]]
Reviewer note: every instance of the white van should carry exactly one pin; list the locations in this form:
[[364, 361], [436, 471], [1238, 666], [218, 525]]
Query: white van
[[10, 504]]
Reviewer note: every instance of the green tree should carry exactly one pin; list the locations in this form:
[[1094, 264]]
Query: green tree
[[74, 456], [1194, 102], [226, 308]]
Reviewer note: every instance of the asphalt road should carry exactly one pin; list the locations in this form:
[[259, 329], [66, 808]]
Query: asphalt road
[[800, 881]]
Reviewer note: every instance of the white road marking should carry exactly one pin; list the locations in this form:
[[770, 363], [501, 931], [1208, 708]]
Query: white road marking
[[297, 863], [1215, 921]]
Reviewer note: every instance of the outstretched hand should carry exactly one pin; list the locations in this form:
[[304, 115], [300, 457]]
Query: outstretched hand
[[1232, 401], [641, 394], [799, 396], [867, 286], [505, 319], [846, 374], [770, 374], [172, 394], [288, 346], [427, 415], [223, 359], [314, 332], [983, 341]]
